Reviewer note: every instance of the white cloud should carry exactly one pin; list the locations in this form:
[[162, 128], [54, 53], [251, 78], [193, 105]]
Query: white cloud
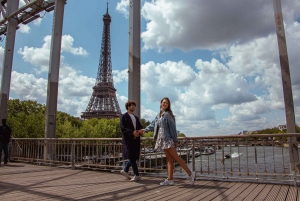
[[74, 89], [219, 85], [39, 57], [28, 87], [248, 84], [73, 93], [37, 22], [214, 24], [148, 114], [120, 76], [24, 28], [193, 95], [67, 46], [122, 7], [171, 77]]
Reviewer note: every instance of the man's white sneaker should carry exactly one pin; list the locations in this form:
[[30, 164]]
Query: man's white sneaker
[[191, 178], [136, 178], [167, 182], [125, 174]]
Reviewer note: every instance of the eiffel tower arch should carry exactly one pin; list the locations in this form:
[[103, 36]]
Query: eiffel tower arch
[[103, 102]]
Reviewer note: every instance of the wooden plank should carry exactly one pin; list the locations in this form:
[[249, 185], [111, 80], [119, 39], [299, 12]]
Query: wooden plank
[[216, 186], [282, 193], [233, 192], [220, 191], [166, 192], [33, 182], [198, 188], [255, 192], [292, 194], [203, 188], [264, 192], [273, 193], [244, 194]]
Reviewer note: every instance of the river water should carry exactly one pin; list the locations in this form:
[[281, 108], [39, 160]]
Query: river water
[[268, 162]]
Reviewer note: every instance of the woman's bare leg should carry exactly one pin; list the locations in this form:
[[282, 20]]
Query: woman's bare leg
[[173, 154], [170, 165]]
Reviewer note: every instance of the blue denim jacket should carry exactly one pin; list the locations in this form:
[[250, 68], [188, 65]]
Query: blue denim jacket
[[168, 125]]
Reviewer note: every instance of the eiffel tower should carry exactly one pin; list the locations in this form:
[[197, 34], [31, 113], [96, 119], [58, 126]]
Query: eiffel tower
[[103, 102]]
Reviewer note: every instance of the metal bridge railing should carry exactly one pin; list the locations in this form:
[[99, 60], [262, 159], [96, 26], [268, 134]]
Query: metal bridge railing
[[261, 158]]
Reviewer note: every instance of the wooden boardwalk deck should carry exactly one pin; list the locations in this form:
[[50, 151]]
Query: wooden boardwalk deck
[[31, 182]]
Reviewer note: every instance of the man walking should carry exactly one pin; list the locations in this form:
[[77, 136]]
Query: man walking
[[5, 135], [131, 142]]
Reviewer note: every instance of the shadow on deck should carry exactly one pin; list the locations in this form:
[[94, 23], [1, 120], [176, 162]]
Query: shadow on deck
[[20, 181]]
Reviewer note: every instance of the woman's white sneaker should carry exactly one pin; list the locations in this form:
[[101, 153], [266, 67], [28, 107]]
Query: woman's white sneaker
[[167, 182], [191, 178]]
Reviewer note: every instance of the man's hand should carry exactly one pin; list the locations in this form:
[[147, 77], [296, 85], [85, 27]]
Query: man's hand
[[176, 144], [136, 133], [141, 132]]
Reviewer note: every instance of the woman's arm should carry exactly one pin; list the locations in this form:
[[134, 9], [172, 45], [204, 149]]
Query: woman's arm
[[150, 127]]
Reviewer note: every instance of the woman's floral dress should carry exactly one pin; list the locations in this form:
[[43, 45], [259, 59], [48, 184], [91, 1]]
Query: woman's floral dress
[[161, 143]]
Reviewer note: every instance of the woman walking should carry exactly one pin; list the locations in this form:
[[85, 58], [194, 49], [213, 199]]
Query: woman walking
[[165, 132]]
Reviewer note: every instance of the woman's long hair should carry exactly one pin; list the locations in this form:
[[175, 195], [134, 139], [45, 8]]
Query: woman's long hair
[[169, 107]]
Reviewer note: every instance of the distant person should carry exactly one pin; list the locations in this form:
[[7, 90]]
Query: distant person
[[5, 135], [131, 142], [164, 128]]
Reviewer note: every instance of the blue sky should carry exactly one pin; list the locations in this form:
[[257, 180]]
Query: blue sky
[[216, 60]]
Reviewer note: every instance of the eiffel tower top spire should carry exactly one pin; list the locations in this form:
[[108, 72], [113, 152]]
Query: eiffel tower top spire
[[107, 8], [103, 102], [105, 74]]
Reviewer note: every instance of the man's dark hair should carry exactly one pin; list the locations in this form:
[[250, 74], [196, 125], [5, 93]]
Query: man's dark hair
[[3, 121], [129, 103]]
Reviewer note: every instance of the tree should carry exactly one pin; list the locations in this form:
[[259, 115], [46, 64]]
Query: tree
[[149, 134], [26, 118], [144, 123]]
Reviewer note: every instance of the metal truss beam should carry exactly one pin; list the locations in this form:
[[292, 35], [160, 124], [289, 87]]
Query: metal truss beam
[[134, 67], [12, 6], [29, 12], [287, 87]]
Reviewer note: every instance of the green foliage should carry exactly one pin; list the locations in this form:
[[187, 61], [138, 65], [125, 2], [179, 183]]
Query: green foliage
[[149, 134], [101, 128], [27, 120], [275, 130], [269, 131], [15, 106], [144, 123]]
